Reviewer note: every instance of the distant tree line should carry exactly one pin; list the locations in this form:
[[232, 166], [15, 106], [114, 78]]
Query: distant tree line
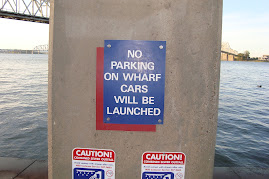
[[245, 56]]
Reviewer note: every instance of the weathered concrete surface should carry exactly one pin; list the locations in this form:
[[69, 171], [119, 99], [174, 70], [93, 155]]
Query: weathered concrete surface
[[192, 30]]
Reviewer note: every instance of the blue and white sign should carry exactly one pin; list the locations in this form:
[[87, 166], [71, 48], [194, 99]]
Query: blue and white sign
[[134, 81], [158, 175], [82, 173]]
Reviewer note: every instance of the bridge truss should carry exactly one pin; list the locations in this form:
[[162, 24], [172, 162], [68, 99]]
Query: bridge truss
[[42, 47], [27, 10]]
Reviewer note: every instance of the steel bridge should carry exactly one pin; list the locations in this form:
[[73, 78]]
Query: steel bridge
[[227, 53], [26, 10], [40, 49], [228, 56]]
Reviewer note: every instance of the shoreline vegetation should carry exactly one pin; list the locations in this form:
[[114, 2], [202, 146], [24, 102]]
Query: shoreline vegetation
[[251, 60], [246, 58], [19, 51]]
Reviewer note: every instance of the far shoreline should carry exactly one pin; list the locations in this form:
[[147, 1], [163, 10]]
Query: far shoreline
[[245, 61]]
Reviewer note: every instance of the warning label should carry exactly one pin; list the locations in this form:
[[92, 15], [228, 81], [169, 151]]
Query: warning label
[[163, 165], [93, 163]]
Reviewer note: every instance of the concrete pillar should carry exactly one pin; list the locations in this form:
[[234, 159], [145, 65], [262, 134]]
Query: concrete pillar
[[192, 31], [224, 56], [230, 57]]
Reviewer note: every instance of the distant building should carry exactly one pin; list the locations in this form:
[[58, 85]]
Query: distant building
[[264, 58]]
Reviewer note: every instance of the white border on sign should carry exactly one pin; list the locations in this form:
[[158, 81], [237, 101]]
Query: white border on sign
[[164, 153], [93, 149]]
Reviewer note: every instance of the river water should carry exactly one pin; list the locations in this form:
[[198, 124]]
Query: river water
[[243, 124]]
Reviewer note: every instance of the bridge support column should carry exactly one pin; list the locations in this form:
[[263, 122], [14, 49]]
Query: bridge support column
[[224, 56], [230, 57], [192, 30]]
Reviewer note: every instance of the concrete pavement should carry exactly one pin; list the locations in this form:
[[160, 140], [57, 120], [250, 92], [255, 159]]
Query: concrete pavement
[[13, 168]]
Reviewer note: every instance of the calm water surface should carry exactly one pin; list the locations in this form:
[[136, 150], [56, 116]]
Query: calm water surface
[[243, 125], [23, 105]]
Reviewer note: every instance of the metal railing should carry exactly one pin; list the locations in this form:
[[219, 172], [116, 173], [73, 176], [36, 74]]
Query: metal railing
[[27, 10]]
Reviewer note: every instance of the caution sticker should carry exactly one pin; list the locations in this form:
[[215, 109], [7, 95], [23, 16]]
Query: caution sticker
[[163, 165], [89, 163]]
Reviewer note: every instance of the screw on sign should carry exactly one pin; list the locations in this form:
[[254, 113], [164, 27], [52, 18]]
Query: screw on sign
[[109, 173], [179, 175]]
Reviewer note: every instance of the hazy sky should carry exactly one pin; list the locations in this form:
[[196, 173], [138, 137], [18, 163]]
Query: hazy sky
[[245, 27], [15, 34]]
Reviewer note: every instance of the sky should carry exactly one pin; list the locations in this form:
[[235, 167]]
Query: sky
[[245, 27], [16, 34]]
